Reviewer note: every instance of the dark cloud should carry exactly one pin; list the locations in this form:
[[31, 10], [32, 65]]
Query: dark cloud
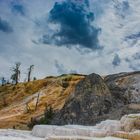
[[125, 6], [5, 26], [127, 60], [18, 9], [133, 36], [134, 67], [116, 61], [61, 69], [75, 25], [122, 8], [134, 61], [136, 56]]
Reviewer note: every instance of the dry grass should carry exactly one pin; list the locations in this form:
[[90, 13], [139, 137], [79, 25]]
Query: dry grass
[[18, 92], [56, 90]]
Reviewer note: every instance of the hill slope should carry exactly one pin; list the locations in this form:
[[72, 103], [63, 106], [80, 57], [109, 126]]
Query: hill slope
[[99, 98], [91, 99], [96, 99], [18, 102]]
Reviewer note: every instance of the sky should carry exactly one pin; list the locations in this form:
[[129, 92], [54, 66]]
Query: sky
[[69, 36]]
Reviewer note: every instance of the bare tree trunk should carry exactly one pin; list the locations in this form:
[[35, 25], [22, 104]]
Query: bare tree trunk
[[37, 101], [29, 75], [29, 72], [16, 78]]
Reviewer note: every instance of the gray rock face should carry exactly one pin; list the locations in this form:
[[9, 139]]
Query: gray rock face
[[124, 87], [125, 91], [90, 103], [96, 99]]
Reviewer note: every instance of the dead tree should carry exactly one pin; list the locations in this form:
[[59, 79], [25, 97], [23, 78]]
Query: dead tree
[[16, 73], [29, 72], [37, 101]]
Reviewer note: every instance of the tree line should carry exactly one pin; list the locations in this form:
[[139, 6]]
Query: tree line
[[16, 72]]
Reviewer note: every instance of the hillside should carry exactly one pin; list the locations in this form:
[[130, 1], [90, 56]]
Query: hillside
[[96, 99], [17, 102], [77, 99]]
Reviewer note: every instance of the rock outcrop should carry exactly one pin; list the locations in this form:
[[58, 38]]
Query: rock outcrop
[[89, 104], [78, 99], [96, 99], [124, 87], [125, 91], [128, 127]]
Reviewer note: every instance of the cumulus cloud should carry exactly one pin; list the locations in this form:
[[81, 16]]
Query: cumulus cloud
[[75, 27], [116, 61], [134, 67], [122, 8], [134, 61], [61, 69], [133, 36], [5, 26], [18, 9]]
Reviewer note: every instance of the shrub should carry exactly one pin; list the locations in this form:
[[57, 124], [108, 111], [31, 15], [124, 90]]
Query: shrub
[[48, 116]]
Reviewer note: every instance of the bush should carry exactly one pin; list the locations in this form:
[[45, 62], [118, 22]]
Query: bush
[[49, 113], [48, 116]]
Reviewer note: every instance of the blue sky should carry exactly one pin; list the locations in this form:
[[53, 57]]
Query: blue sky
[[70, 36]]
